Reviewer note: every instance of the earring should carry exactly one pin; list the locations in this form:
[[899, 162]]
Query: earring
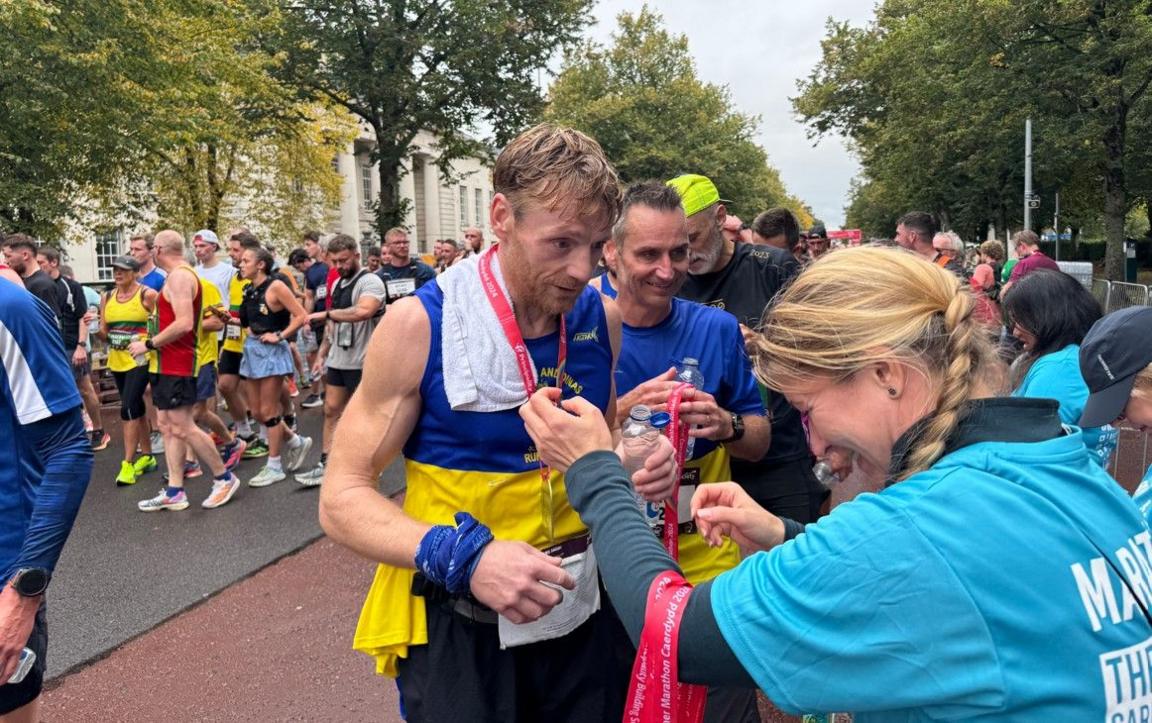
[[893, 393]]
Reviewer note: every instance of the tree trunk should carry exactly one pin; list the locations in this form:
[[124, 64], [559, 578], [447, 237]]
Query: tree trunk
[[1115, 195], [391, 208]]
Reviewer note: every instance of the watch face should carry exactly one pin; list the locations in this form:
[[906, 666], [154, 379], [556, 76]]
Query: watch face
[[31, 581]]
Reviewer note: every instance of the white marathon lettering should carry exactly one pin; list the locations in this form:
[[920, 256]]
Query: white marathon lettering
[[1128, 683], [1099, 586]]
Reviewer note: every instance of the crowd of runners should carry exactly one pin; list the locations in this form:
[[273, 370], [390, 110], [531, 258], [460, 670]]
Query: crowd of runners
[[542, 567]]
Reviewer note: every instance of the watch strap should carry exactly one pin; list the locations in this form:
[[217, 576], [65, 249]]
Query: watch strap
[[737, 429]]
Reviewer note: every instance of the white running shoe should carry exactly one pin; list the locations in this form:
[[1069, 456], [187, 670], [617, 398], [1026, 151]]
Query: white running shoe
[[294, 456], [313, 477], [157, 441], [163, 502], [266, 476], [222, 491]]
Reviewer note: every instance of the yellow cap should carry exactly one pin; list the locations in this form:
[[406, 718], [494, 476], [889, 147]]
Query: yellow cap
[[696, 192]]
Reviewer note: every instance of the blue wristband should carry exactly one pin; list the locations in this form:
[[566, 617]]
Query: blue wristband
[[448, 555]]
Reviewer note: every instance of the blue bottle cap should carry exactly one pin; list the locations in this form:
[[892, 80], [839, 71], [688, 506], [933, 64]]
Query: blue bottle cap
[[660, 420]]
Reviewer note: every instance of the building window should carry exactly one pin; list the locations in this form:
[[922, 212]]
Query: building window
[[107, 249], [463, 208], [479, 207], [366, 184]]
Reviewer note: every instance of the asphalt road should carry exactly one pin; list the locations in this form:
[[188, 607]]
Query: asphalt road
[[124, 571]]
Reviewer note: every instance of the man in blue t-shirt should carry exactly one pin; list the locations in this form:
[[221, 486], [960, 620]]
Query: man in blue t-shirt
[[403, 274], [726, 417], [141, 248], [47, 463]]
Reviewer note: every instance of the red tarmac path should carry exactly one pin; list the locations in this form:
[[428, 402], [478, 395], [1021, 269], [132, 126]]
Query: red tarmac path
[[276, 646]]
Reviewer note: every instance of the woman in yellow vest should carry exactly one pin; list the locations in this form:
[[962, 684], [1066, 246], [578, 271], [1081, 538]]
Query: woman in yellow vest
[[124, 315]]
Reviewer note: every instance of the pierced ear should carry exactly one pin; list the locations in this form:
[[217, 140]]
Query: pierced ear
[[890, 377]]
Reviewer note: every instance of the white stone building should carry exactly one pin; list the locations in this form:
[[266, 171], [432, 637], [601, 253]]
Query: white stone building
[[438, 209]]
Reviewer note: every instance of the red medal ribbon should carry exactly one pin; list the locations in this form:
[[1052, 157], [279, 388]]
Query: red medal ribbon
[[655, 693], [507, 319], [678, 436]]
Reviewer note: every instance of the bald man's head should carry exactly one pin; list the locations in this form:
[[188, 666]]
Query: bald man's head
[[169, 247]]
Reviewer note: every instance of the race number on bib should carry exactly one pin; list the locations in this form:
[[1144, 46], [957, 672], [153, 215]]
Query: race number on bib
[[119, 340], [400, 287], [233, 331]]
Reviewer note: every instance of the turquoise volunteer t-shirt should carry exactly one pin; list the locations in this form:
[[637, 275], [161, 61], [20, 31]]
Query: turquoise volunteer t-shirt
[[1143, 496], [1057, 376], [996, 585]]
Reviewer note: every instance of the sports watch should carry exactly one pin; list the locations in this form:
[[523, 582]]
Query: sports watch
[[737, 429], [30, 581]]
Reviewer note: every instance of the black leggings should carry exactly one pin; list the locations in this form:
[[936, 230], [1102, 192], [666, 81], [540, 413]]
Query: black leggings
[[131, 385]]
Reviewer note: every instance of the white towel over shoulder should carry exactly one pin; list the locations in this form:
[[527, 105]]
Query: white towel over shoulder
[[480, 370]]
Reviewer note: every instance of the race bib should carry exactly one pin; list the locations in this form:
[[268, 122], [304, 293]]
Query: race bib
[[232, 331], [576, 607], [119, 340], [321, 292], [344, 335], [400, 287]]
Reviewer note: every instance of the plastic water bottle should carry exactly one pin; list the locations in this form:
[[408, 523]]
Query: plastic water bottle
[[825, 475], [640, 437], [140, 359], [689, 371]]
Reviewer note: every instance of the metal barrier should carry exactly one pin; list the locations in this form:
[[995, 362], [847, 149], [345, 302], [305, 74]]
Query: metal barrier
[[1121, 295], [1102, 289], [1079, 270]]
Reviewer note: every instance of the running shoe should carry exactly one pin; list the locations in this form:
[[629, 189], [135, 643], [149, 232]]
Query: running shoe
[[99, 439], [312, 401], [267, 476], [294, 456], [256, 448], [127, 474], [157, 441], [144, 464], [222, 491], [233, 453], [293, 390], [163, 502], [191, 469], [313, 477]]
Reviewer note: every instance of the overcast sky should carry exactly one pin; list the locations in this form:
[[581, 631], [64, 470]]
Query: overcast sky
[[759, 48]]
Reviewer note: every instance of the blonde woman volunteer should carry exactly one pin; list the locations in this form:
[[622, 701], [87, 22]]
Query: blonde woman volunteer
[[999, 576]]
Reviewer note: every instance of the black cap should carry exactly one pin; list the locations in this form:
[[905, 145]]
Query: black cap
[[1114, 351], [126, 262], [818, 230]]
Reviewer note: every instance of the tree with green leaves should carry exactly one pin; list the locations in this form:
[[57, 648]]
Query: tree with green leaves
[[642, 100], [405, 66], [933, 95], [169, 110], [70, 87]]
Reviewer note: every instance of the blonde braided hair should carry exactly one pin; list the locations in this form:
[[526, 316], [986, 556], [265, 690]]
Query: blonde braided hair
[[865, 305]]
